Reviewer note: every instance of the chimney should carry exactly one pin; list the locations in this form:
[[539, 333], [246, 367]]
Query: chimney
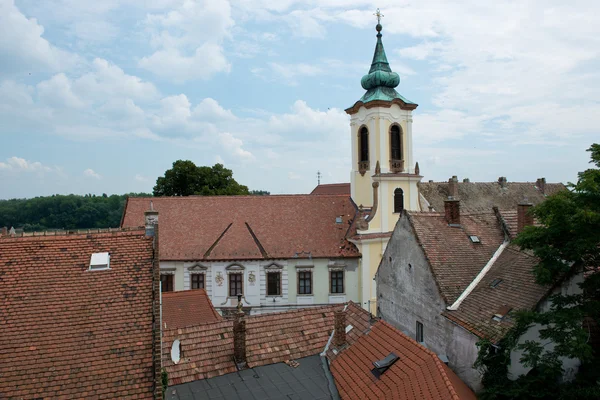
[[466, 180], [452, 209], [502, 181], [453, 187], [541, 185], [4, 231], [239, 336], [150, 219], [524, 217], [339, 336]]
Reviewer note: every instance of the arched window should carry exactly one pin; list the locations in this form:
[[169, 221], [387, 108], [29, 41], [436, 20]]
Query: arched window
[[395, 143], [363, 152], [398, 200]]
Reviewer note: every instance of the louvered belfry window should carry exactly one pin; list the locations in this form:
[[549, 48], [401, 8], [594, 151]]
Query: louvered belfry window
[[398, 200], [364, 144], [395, 142]]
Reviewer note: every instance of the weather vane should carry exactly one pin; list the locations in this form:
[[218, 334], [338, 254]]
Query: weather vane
[[379, 15]]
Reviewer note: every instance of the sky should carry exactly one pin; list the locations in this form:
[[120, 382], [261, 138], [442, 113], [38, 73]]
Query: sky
[[103, 96]]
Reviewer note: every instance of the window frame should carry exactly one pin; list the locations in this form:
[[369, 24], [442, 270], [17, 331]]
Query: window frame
[[331, 280], [419, 332], [361, 146], [197, 275], [170, 278], [399, 149], [279, 283], [310, 281], [241, 283], [398, 192]]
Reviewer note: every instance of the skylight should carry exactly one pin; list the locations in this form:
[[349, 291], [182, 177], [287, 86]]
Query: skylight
[[474, 239], [501, 313], [338, 220], [99, 261], [382, 365], [495, 282]]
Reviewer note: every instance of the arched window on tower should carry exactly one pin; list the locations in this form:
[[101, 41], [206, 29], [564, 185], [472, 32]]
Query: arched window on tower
[[363, 150], [396, 159], [398, 200]]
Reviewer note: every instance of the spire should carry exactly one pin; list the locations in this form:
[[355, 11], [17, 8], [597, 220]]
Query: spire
[[381, 81]]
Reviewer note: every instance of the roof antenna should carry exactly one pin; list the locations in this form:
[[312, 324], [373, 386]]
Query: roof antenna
[[319, 175]]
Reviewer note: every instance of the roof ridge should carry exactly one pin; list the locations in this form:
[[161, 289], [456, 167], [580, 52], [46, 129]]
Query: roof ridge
[[270, 196], [40, 236]]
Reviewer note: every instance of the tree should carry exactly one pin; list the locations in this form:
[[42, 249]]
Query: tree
[[186, 179], [567, 242]]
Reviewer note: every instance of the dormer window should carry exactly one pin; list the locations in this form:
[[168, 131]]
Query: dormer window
[[396, 160], [100, 261], [383, 365], [363, 150]]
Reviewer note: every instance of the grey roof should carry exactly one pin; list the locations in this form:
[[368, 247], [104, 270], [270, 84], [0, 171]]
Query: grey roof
[[482, 196], [274, 381]]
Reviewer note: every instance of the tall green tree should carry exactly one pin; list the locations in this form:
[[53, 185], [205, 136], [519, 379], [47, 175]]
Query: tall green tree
[[567, 242], [186, 179]]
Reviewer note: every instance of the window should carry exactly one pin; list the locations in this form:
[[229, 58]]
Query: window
[[235, 284], [419, 337], [395, 143], [495, 282], [197, 281], [167, 282], [398, 200], [363, 152], [274, 284], [474, 239], [336, 281], [304, 282]]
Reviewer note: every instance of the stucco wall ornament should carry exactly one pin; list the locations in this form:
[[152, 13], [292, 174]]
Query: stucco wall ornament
[[219, 278], [251, 278]]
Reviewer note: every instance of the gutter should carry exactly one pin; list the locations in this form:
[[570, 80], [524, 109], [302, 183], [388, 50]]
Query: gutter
[[479, 277]]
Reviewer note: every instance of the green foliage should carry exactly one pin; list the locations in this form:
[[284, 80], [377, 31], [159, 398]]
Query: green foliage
[[186, 179], [567, 242], [164, 376], [64, 212], [259, 193]]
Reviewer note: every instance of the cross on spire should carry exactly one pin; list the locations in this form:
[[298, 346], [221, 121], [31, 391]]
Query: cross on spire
[[379, 15]]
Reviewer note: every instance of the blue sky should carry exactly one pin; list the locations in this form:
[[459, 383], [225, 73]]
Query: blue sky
[[102, 97]]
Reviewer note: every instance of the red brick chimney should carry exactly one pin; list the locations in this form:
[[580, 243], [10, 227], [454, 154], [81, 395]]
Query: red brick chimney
[[453, 187], [524, 217], [541, 185], [452, 209], [503, 182], [4, 231], [239, 340], [339, 336]]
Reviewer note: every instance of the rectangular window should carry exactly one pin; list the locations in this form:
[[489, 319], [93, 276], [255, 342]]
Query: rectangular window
[[274, 284], [305, 282], [197, 281], [336, 281], [235, 284], [419, 337], [167, 282]]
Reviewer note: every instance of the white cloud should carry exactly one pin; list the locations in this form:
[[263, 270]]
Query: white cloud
[[141, 178], [18, 164], [90, 173], [189, 40], [209, 109], [57, 92], [22, 47], [234, 145]]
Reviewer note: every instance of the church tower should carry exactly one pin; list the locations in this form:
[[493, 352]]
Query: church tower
[[384, 173]]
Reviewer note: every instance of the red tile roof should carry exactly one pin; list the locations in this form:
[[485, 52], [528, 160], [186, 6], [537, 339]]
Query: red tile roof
[[248, 227], [332, 188], [69, 332], [270, 338], [187, 308], [418, 374], [455, 261]]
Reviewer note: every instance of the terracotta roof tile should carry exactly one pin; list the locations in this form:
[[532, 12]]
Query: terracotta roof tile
[[207, 350], [68, 332], [332, 188], [187, 308], [454, 259], [248, 227], [418, 374]]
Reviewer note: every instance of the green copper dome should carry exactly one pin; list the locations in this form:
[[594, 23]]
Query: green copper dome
[[380, 82]]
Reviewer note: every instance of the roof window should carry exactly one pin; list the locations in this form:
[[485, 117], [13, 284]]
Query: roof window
[[383, 365], [99, 261], [501, 313], [339, 220], [475, 239], [495, 282]]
